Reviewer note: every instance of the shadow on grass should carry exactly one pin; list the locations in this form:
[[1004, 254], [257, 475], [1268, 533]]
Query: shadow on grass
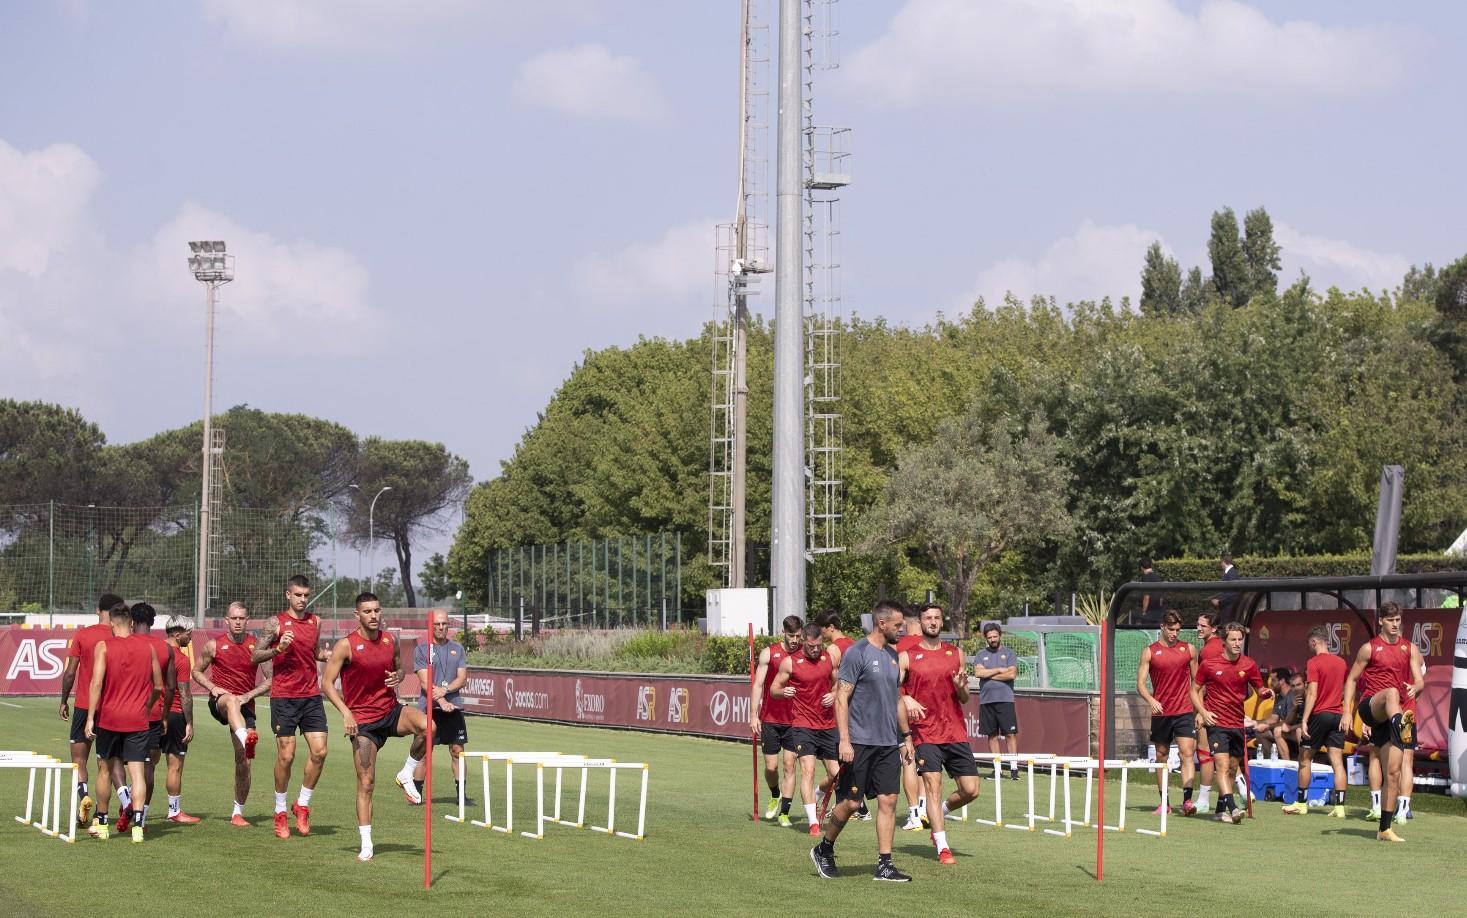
[[1358, 833]]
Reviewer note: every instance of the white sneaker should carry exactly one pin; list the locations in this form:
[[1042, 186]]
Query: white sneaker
[[365, 854], [913, 824], [409, 789]]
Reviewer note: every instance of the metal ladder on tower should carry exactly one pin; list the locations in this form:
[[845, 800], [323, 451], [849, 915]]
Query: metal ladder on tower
[[216, 505]]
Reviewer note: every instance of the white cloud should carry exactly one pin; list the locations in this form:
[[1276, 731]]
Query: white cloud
[[385, 25], [589, 81], [676, 269], [1336, 262], [44, 195], [943, 51], [1092, 263]]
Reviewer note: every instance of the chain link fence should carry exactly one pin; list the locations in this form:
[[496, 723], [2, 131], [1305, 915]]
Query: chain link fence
[[1068, 656]]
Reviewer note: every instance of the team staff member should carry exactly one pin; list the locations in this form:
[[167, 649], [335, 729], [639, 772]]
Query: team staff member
[[935, 679], [1323, 698], [1226, 681], [295, 701], [369, 664], [1169, 664], [450, 673], [996, 667], [180, 728], [227, 671], [769, 719], [126, 680], [78, 672], [812, 673], [1383, 666], [874, 742]]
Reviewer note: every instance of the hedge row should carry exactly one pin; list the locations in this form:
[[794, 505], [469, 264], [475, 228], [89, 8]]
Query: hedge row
[[1255, 566]]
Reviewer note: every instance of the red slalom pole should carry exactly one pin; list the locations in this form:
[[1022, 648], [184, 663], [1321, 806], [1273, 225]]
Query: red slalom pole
[[1100, 821], [428, 763], [754, 740]]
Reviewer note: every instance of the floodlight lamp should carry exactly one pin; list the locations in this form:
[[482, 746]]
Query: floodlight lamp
[[219, 246], [195, 247]]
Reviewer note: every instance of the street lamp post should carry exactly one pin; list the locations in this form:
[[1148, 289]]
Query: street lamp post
[[213, 268], [372, 540]]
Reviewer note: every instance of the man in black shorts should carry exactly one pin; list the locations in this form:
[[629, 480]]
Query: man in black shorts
[[875, 741], [450, 673], [996, 667], [226, 669], [769, 720], [1225, 680], [1323, 704]]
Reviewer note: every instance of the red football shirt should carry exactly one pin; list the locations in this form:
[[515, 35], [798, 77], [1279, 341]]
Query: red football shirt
[[907, 642], [164, 651], [83, 649], [295, 670], [1171, 670], [1328, 672], [777, 711], [930, 682], [231, 668], [1211, 650], [126, 685], [843, 643], [1389, 665], [811, 681], [362, 678], [184, 670], [1225, 685]]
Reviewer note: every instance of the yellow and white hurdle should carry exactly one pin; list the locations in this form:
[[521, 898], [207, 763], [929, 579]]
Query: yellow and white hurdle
[[53, 772]]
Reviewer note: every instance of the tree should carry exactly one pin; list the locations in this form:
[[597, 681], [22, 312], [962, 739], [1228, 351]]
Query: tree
[[46, 453], [1230, 277], [437, 583], [1261, 253], [1419, 285], [972, 493], [1161, 284], [1193, 298], [426, 480]]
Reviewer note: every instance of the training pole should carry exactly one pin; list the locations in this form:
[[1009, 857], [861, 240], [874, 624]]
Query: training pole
[[1100, 822], [428, 763], [754, 741]]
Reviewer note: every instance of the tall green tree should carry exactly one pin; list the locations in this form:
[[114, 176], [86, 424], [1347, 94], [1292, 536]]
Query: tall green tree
[[1195, 290], [1230, 276], [1161, 283], [1261, 253], [47, 452]]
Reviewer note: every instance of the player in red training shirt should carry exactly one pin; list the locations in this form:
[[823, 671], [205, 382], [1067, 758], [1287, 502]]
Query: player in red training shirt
[[126, 680], [294, 646], [227, 671], [769, 720], [1321, 727], [812, 673], [1385, 669], [911, 784], [830, 629], [1226, 680], [78, 672], [180, 716], [935, 680], [1170, 664], [143, 616], [370, 668], [1210, 635]]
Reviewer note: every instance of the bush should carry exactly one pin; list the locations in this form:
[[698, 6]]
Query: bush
[[730, 655]]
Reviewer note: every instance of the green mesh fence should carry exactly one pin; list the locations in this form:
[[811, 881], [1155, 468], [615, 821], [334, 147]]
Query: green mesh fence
[[1071, 658]]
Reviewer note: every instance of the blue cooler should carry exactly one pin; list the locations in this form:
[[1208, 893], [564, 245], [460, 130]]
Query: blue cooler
[[1279, 779]]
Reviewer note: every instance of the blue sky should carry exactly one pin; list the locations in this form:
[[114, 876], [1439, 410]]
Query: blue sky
[[438, 206]]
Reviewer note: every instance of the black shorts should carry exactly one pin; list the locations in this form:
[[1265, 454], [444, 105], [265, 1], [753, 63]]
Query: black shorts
[[246, 710], [290, 714], [129, 747], [954, 758], [380, 731], [876, 771], [772, 737], [1165, 728], [449, 728], [173, 743], [997, 719], [1380, 731], [1226, 741], [79, 725], [822, 744], [155, 735], [1325, 732]]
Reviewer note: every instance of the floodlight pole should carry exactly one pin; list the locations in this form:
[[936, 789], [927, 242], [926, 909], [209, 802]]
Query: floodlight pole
[[212, 267]]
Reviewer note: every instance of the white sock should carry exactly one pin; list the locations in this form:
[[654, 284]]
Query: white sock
[[243, 735], [1402, 805], [810, 813], [124, 797], [1375, 800], [922, 803], [1202, 798], [819, 796], [238, 809], [409, 768], [145, 812], [366, 837], [305, 796], [280, 802], [939, 840], [914, 813], [174, 805], [945, 809]]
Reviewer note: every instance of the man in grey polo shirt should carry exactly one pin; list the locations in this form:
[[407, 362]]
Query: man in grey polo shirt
[[450, 673], [875, 741], [996, 667]]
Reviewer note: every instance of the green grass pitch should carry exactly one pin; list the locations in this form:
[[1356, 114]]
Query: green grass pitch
[[703, 855]]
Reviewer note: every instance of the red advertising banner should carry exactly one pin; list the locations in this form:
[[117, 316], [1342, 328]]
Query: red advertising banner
[[32, 660]]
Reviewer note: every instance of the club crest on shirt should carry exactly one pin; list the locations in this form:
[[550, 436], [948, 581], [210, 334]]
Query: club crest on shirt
[[919, 656], [1241, 673], [361, 647]]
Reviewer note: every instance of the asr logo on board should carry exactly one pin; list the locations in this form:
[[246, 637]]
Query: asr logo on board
[[677, 706], [1339, 637], [646, 702], [1427, 636], [38, 659]]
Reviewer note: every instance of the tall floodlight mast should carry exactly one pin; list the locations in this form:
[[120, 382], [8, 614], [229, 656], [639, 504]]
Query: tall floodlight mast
[[213, 268]]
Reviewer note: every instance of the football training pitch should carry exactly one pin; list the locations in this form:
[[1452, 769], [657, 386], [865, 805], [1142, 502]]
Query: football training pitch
[[702, 855]]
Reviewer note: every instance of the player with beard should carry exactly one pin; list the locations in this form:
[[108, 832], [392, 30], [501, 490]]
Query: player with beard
[[227, 671], [1218, 692], [1169, 664], [78, 672], [812, 672], [769, 720]]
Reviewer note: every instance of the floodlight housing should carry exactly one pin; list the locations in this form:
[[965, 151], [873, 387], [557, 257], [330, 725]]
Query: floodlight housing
[[209, 264]]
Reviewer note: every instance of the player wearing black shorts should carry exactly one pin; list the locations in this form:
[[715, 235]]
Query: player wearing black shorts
[[1225, 680], [875, 742], [1386, 668], [1169, 665], [812, 734], [126, 680], [769, 720], [1323, 700], [226, 669]]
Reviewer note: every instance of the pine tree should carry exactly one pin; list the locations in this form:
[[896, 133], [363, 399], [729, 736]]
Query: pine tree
[[1194, 293], [1261, 253], [1229, 265], [1161, 283]]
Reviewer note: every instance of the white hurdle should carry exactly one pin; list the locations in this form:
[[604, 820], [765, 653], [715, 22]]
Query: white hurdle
[[1126, 766], [1062, 769], [559, 762], [52, 783]]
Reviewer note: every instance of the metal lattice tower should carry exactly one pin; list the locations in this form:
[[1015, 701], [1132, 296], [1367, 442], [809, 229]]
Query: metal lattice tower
[[826, 160], [216, 506], [741, 255]]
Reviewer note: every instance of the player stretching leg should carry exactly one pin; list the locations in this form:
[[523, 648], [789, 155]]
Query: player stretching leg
[[769, 720], [812, 672], [295, 701], [126, 680], [1171, 665], [1226, 680], [935, 679], [369, 665], [78, 672], [1321, 728], [226, 669], [1382, 664]]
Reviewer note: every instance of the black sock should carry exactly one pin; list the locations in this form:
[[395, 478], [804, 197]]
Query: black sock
[[1186, 794], [1218, 807], [784, 806], [419, 786], [1225, 803], [81, 789], [1339, 797], [773, 791], [883, 858], [137, 817], [826, 846], [1303, 795], [101, 819], [1387, 814]]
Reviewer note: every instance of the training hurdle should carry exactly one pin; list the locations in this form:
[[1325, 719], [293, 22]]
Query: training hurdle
[[1061, 770], [52, 782], [559, 762]]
